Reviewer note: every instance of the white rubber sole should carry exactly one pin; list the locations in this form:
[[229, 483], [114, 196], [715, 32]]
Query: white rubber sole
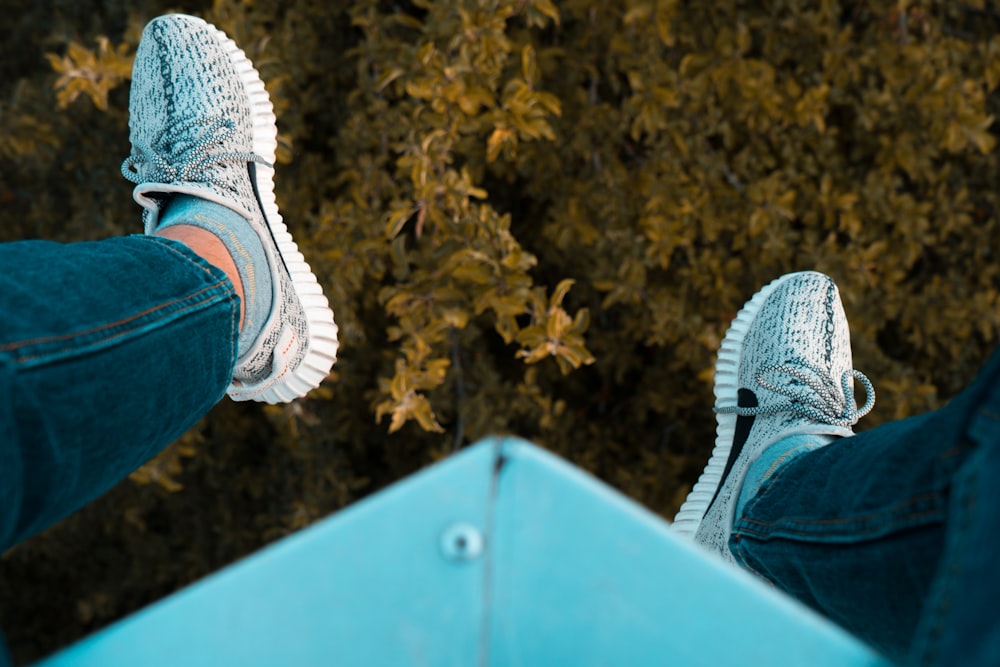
[[727, 366], [284, 384]]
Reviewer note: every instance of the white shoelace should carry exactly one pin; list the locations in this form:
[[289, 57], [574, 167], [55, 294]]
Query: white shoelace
[[182, 153], [818, 400]]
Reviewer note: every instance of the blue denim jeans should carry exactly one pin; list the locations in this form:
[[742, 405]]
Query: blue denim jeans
[[109, 351], [894, 533]]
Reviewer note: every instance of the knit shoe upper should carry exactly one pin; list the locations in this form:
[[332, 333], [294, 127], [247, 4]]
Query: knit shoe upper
[[201, 123], [784, 368]]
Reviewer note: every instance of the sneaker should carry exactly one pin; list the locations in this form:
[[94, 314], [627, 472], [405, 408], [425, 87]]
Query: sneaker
[[201, 123], [784, 369]]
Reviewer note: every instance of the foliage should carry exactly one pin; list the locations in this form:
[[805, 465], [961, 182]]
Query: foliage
[[530, 217], [94, 74]]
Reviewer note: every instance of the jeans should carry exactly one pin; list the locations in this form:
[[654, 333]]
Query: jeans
[[893, 533], [109, 351]]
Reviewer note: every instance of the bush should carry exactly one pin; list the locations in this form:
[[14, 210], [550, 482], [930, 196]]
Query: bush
[[530, 219]]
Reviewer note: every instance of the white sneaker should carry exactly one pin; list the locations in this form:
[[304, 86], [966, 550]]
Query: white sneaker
[[201, 123], [784, 369]]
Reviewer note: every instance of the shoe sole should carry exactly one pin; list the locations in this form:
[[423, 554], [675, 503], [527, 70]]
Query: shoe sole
[[727, 366], [321, 352]]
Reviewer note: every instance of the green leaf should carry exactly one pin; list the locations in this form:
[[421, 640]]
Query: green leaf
[[529, 64], [397, 220]]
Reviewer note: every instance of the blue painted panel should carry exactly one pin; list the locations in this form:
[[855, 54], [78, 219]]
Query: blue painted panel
[[584, 576], [370, 586], [537, 564]]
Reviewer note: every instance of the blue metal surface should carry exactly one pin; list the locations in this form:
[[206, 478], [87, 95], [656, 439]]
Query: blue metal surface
[[584, 576], [369, 586], [500, 555]]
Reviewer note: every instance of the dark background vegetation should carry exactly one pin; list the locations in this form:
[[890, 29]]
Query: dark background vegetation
[[532, 218]]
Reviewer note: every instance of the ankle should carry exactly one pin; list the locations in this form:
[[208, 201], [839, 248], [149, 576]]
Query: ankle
[[207, 246]]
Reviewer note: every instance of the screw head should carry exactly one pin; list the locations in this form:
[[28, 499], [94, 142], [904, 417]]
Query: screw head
[[462, 542]]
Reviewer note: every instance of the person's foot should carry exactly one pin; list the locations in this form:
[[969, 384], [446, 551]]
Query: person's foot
[[784, 369], [202, 125]]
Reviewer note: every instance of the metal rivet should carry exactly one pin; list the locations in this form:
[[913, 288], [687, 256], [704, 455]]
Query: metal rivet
[[462, 541]]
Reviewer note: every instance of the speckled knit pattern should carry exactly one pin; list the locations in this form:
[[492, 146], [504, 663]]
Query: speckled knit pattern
[[790, 346], [185, 89], [201, 123]]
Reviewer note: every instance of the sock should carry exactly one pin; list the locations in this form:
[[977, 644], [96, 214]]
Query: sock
[[245, 247], [773, 458]]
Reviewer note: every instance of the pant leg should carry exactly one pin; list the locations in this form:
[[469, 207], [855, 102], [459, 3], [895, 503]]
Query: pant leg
[[109, 351], [857, 530], [960, 624]]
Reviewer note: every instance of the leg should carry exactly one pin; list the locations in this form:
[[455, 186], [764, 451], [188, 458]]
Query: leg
[[108, 352], [858, 529], [203, 137], [889, 532], [111, 350], [959, 624], [212, 250]]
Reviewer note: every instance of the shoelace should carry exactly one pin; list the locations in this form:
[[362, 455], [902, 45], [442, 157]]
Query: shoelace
[[820, 402], [178, 154]]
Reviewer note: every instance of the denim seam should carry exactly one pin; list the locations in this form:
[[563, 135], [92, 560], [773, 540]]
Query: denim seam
[[898, 523], [989, 413], [736, 549], [931, 495], [212, 291], [187, 254], [12, 347], [898, 516], [169, 315], [735, 538], [942, 605], [787, 527]]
